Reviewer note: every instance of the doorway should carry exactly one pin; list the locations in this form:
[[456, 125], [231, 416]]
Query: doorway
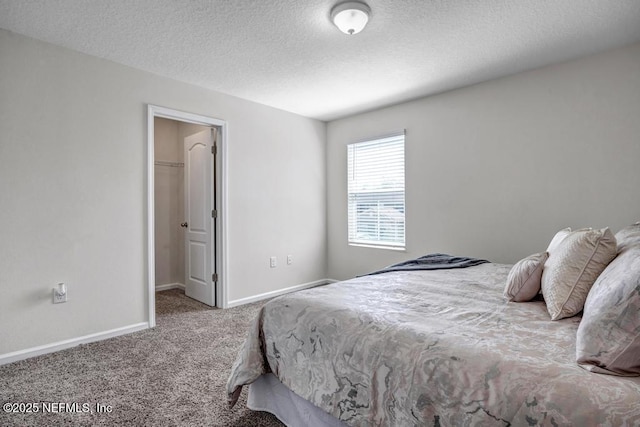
[[186, 205]]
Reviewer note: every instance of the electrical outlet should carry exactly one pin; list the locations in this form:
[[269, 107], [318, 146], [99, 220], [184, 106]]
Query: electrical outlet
[[289, 259], [273, 262], [60, 293]]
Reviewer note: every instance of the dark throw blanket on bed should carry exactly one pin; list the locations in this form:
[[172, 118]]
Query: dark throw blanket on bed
[[432, 262]]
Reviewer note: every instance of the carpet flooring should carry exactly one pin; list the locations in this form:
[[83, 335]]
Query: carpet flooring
[[172, 375]]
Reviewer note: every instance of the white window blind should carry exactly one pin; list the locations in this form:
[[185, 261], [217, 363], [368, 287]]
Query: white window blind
[[376, 192]]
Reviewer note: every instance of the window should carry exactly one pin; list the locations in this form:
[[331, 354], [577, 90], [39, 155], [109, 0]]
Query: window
[[376, 192]]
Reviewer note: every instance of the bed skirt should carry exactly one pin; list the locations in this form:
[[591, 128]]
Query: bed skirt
[[268, 394]]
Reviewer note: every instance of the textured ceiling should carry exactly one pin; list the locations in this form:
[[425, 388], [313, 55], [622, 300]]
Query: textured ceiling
[[287, 54]]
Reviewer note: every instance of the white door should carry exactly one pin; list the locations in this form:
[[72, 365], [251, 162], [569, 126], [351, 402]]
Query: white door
[[199, 217]]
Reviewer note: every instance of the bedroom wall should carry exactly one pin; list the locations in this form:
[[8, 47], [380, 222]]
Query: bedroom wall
[[73, 192], [495, 169]]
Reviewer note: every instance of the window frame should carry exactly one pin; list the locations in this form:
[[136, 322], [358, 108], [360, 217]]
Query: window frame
[[386, 199]]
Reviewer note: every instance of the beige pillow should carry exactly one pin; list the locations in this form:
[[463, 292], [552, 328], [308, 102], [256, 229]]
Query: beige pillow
[[559, 237], [608, 338], [523, 282], [572, 268], [555, 242]]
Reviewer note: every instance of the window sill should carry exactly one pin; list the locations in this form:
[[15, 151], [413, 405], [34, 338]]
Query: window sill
[[372, 246]]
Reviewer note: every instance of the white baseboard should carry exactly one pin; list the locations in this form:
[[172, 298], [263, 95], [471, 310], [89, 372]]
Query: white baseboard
[[272, 294], [168, 286], [61, 345]]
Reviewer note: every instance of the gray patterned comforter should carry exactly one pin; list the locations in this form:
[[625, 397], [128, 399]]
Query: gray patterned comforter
[[430, 348]]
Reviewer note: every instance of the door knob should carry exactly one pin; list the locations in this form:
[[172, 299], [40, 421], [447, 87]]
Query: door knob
[[184, 224]]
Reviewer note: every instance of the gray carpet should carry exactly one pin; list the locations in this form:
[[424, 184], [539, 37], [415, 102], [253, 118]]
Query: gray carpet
[[172, 375]]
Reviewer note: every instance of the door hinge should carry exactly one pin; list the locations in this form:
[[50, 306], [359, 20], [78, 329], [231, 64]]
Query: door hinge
[[214, 149], [214, 214], [214, 277]]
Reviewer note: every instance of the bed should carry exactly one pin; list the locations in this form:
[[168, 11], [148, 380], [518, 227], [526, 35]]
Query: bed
[[434, 347]]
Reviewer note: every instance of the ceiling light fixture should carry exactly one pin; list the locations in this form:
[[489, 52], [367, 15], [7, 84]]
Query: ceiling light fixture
[[350, 17]]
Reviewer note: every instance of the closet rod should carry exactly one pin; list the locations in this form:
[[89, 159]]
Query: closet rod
[[170, 164]]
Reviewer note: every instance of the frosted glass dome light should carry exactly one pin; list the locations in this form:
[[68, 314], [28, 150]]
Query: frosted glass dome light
[[350, 17]]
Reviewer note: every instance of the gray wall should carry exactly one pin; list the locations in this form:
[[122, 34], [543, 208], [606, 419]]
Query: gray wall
[[73, 191], [495, 169]]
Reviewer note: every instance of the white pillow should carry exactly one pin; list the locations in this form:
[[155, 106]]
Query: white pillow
[[608, 338], [523, 282], [572, 267], [628, 236]]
